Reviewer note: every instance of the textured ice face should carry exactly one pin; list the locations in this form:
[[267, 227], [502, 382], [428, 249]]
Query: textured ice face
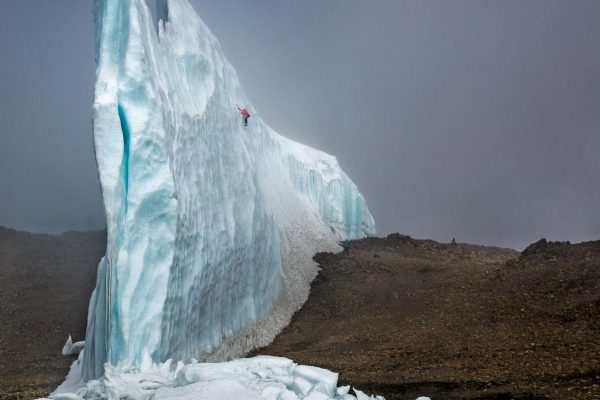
[[211, 226]]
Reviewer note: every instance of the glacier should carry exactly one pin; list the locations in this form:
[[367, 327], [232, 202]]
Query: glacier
[[211, 225]]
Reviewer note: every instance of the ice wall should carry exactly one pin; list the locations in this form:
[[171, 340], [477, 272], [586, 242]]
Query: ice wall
[[211, 226]]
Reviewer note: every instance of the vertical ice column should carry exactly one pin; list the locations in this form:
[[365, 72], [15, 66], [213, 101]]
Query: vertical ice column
[[131, 147]]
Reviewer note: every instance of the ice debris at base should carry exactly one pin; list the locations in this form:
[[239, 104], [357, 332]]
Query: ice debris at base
[[261, 377], [211, 226], [70, 349]]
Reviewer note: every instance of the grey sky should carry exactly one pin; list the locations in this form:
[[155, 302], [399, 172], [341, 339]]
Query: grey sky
[[470, 119]]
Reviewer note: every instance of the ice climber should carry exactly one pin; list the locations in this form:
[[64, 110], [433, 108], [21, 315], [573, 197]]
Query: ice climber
[[245, 115], [346, 245]]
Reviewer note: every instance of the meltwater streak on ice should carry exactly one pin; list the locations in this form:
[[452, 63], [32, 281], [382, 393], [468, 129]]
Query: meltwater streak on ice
[[211, 226]]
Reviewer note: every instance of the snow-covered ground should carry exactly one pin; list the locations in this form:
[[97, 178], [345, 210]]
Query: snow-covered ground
[[257, 378]]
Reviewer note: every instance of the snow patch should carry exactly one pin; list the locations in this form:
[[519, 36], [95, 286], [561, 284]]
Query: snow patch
[[260, 378]]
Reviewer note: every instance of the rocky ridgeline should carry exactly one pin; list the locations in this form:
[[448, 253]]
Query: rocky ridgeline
[[454, 320]]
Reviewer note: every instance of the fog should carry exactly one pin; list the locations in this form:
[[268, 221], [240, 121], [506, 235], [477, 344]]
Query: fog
[[466, 119]]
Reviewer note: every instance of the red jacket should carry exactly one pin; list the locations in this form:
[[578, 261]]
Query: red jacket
[[244, 112]]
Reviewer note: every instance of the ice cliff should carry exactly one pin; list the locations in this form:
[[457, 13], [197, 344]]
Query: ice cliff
[[211, 226]]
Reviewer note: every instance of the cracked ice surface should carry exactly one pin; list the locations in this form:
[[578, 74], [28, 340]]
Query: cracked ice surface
[[211, 226], [260, 378]]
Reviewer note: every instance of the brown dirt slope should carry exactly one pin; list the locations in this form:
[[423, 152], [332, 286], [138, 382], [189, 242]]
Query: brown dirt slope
[[403, 317], [399, 317], [45, 286]]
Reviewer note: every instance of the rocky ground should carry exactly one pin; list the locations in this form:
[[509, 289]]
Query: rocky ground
[[403, 317], [398, 317], [45, 286]]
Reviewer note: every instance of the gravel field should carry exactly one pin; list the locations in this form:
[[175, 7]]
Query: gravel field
[[398, 317], [404, 317]]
